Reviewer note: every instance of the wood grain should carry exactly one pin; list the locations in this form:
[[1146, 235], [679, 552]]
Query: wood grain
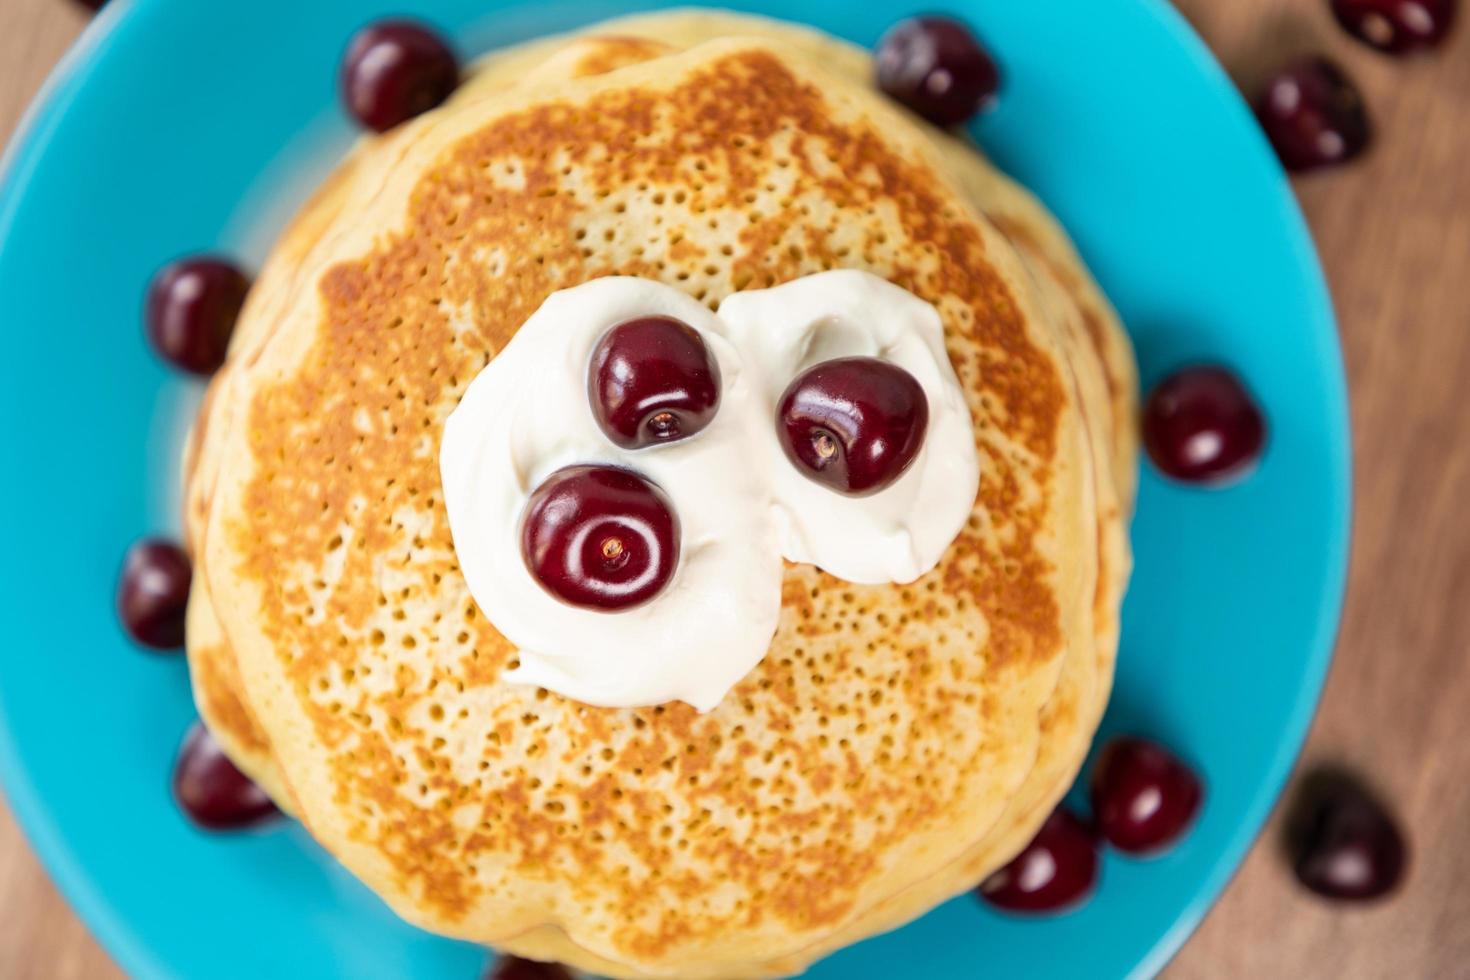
[[1394, 232]]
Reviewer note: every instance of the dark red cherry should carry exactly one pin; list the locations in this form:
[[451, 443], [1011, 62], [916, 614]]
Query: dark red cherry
[[191, 311], [854, 424], [212, 792], [515, 968], [1200, 425], [153, 593], [1397, 26], [652, 380], [395, 70], [600, 537], [1143, 797], [1056, 870], [936, 67], [1344, 843], [1313, 115]]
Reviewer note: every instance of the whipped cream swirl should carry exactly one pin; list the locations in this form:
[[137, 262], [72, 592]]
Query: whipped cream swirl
[[742, 506]]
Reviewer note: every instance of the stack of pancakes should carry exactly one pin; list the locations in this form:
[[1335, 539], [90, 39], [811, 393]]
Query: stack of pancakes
[[896, 744]]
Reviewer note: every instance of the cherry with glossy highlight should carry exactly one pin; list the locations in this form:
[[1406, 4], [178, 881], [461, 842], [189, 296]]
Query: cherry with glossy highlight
[[600, 537], [1200, 425], [212, 792], [652, 380], [191, 310], [153, 593], [1057, 870], [853, 424], [1313, 115], [394, 70], [938, 68], [1398, 27], [1143, 797], [1344, 843]]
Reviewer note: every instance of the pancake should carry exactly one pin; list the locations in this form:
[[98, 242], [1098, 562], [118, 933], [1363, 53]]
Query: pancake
[[629, 41], [1099, 351], [540, 837], [1076, 695], [1042, 243], [219, 696], [212, 667], [1100, 355]]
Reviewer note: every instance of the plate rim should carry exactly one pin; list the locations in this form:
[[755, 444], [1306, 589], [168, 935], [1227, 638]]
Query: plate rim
[[1328, 615], [42, 832]]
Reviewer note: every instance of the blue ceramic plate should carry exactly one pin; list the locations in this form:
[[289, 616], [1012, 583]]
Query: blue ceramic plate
[[177, 125]]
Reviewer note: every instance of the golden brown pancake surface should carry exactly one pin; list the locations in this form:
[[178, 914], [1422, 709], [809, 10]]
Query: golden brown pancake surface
[[887, 728]]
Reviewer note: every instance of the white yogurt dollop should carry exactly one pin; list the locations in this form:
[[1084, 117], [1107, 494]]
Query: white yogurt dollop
[[900, 533], [742, 506]]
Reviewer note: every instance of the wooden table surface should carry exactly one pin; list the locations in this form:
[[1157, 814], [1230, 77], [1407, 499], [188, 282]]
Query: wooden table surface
[[1394, 232]]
